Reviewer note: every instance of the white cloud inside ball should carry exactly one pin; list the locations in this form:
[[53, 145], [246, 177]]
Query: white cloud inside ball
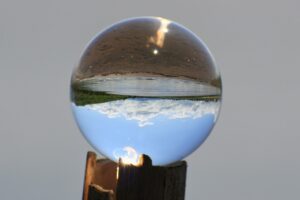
[[146, 110]]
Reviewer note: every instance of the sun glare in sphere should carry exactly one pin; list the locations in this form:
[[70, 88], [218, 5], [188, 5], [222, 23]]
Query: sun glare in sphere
[[159, 38], [129, 156]]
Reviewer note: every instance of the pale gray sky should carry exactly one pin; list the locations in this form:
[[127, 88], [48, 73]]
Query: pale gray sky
[[253, 152]]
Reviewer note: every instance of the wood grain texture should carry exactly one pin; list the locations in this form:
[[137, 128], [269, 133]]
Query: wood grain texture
[[149, 182], [89, 173], [144, 182], [98, 193]]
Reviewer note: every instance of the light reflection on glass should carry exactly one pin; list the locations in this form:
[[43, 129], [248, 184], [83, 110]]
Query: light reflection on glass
[[159, 38]]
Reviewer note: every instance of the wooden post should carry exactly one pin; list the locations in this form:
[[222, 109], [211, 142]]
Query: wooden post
[[106, 180]]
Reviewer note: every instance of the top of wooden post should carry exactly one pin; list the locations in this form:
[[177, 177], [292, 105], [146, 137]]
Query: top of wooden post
[[107, 180]]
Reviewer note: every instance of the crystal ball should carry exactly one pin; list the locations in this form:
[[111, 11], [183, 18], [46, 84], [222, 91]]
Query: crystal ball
[[149, 86]]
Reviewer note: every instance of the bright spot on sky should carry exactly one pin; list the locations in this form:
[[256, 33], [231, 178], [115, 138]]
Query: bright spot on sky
[[128, 155]]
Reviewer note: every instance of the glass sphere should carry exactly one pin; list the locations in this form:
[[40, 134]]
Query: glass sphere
[[146, 86]]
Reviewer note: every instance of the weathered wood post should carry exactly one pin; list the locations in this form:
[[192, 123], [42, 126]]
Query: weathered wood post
[[106, 180]]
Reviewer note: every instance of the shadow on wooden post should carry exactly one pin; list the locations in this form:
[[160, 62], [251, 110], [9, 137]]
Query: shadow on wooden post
[[143, 182]]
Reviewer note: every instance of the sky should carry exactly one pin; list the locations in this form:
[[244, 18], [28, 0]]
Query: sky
[[253, 151], [165, 130]]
